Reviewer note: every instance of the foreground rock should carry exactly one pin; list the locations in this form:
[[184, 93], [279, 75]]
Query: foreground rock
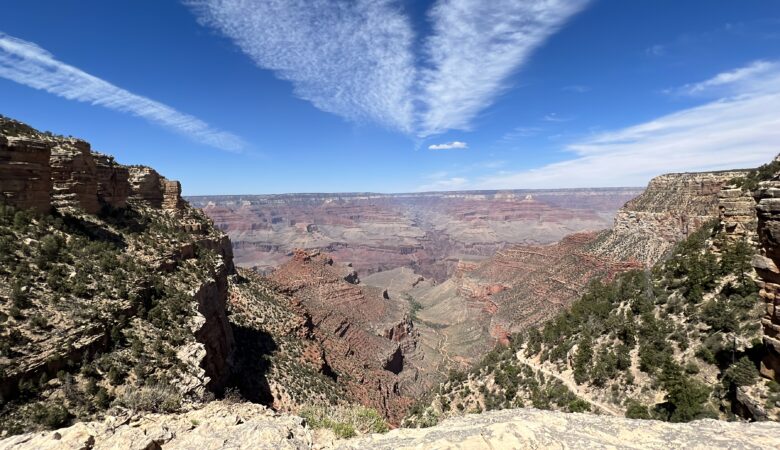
[[218, 425], [528, 428], [242, 426]]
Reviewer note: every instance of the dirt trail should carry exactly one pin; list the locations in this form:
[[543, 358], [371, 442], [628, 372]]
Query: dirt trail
[[609, 409]]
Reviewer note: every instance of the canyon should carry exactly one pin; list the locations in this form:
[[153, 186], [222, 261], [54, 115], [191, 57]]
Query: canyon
[[130, 318], [427, 232]]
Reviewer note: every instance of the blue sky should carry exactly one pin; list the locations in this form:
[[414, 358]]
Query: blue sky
[[234, 96]]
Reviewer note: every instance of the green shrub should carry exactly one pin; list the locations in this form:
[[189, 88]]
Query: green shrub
[[741, 373]]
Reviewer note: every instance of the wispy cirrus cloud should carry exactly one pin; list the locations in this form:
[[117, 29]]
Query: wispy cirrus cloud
[[475, 47], [358, 59], [748, 78], [740, 129], [28, 64], [454, 145], [352, 58]]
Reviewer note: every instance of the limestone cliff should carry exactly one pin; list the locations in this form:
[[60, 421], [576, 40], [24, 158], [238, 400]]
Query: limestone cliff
[[245, 426], [672, 207], [111, 289], [766, 264]]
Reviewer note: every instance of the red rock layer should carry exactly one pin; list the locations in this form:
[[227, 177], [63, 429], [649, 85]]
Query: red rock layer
[[363, 340], [25, 174]]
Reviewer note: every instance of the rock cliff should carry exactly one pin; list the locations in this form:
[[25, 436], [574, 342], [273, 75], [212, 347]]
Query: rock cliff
[[671, 208], [766, 264], [25, 173], [367, 340], [245, 426], [110, 289]]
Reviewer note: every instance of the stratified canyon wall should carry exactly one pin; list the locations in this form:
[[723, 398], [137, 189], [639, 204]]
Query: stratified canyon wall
[[427, 232], [524, 285], [131, 209], [766, 265]]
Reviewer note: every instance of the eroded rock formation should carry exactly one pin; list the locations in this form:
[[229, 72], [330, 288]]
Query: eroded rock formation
[[367, 339], [113, 181], [672, 207], [74, 176], [766, 264], [245, 426], [427, 232], [25, 174]]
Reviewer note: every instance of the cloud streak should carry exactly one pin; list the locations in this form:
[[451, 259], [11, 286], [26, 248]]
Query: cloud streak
[[475, 47], [26, 63], [359, 59], [740, 130], [352, 59], [449, 146]]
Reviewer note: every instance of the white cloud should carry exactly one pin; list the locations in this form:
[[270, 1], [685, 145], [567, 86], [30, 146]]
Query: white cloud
[[737, 131], [357, 59], [352, 59], [656, 50], [519, 133], [449, 146], [475, 47], [28, 64], [577, 88], [750, 77], [554, 117], [445, 184]]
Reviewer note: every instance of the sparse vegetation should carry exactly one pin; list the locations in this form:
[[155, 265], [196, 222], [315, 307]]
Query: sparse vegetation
[[671, 325]]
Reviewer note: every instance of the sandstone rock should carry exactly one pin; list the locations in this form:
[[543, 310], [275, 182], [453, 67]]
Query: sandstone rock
[[223, 425], [113, 181], [171, 191], [219, 425], [74, 176], [152, 188], [146, 186], [25, 174], [768, 212], [672, 207], [528, 428], [738, 213]]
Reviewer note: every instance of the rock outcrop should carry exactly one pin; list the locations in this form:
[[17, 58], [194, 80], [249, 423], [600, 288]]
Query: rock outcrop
[[74, 176], [246, 426], [766, 265], [113, 181], [77, 287], [149, 186], [367, 340], [738, 213], [672, 207], [25, 174], [41, 170]]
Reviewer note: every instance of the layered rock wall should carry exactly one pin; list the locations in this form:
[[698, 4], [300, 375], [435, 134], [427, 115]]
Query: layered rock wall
[[40, 171], [766, 264], [113, 181], [74, 176], [738, 213], [25, 175], [148, 186], [672, 207]]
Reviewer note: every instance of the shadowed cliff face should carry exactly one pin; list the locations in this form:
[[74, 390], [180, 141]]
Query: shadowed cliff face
[[111, 286], [427, 232]]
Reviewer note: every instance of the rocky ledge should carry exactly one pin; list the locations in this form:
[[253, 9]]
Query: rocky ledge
[[222, 425]]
